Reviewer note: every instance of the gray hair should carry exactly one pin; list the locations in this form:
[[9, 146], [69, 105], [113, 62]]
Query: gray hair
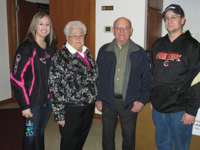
[[74, 24]]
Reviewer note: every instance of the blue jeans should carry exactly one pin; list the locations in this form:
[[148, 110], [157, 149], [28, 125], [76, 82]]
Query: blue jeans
[[40, 118], [170, 130]]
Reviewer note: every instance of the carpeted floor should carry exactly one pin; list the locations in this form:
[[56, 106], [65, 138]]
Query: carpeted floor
[[52, 134], [11, 129]]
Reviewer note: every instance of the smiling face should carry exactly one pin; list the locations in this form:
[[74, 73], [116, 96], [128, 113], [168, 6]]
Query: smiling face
[[42, 28], [76, 38], [174, 22], [122, 30]]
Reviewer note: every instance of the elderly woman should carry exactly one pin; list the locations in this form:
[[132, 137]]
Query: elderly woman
[[73, 87]]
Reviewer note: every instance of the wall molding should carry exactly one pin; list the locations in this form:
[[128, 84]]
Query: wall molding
[[7, 101], [12, 39], [99, 116]]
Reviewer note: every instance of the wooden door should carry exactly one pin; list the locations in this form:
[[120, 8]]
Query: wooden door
[[63, 11], [25, 14], [154, 22], [156, 4], [154, 27]]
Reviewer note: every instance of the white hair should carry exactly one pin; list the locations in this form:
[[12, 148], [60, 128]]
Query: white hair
[[74, 24]]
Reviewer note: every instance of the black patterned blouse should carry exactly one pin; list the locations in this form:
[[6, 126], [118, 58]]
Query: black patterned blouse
[[71, 82]]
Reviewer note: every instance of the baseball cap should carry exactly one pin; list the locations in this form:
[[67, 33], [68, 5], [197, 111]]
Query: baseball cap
[[174, 8]]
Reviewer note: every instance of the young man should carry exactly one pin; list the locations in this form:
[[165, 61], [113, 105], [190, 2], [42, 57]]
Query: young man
[[124, 78], [175, 98]]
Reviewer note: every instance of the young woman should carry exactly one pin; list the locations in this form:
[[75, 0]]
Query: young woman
[[29, 78]]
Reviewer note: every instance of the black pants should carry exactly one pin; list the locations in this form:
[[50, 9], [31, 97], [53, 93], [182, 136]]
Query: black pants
[[128, 125], [77, 125]]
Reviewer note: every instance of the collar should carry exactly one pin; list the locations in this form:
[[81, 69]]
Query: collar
[[123, 46], [132, 47], [73, 51]]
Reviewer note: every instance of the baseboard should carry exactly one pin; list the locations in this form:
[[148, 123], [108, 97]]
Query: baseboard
[[99, 116], [7, 101]]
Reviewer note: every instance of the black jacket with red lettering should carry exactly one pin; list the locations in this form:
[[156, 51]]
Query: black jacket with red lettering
[[29, 79], [175, 67]]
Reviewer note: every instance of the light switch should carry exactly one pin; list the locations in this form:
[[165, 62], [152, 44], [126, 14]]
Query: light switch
[[107, 28]]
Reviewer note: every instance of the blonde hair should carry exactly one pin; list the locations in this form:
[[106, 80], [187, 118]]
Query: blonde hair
[[32, 31]]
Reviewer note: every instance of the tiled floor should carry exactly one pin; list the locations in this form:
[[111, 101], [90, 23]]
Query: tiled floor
[[94, 139]]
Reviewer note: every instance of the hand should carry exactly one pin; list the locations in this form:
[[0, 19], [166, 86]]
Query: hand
[[188, 119], [99, 105], [137, 106], [151, 106], [27, 112], [62, 123]]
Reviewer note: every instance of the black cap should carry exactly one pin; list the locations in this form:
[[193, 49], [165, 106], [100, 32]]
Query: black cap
[[174, 8]]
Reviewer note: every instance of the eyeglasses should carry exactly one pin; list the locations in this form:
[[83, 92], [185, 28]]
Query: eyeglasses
[[124, 28], [173, 18], [76, 36]]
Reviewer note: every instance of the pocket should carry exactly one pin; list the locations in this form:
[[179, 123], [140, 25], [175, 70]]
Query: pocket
[[29, 88], [164, 96], [102, 108], [31, 107]]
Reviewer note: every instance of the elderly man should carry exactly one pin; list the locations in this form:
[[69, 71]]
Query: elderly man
[[123, 84], [175, 92]]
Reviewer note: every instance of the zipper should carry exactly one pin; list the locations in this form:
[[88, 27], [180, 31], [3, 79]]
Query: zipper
[[39, 80]]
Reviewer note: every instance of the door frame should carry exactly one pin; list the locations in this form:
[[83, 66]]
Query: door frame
[[12, 40]]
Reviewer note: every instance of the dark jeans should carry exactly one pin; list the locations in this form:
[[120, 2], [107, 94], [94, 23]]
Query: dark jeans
[[170, 130], [128, 126], [78, 121], [40, 118]]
